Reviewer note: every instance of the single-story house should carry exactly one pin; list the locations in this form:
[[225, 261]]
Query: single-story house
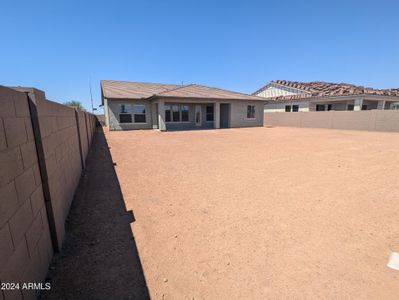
[[293, 96], [139, 105]]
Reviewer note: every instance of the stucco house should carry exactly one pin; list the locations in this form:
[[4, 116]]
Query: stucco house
[[293, 96], [139, 105]]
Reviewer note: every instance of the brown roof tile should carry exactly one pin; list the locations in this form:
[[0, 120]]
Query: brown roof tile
[[137, 90], [320, 89]]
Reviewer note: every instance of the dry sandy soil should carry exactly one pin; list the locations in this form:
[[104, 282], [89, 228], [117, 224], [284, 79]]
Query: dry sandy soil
[[262, 212], [256, 213]]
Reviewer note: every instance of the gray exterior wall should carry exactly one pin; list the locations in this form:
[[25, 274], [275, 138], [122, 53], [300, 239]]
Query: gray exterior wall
[[310, 105], [238, 114], [113, 111], [191, 118]]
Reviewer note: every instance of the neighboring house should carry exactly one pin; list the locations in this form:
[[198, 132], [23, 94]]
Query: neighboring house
[[292, 96], [138, 105]]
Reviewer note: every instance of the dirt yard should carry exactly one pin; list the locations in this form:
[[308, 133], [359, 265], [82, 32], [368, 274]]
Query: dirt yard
[[261, 213]]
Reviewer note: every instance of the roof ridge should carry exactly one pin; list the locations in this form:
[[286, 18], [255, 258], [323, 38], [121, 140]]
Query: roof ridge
[[146, 82], [295, 84], [224, 90], [177, 88]]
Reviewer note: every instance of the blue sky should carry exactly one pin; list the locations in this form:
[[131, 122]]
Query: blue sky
[[57, 46]]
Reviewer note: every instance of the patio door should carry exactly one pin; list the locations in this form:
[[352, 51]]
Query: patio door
[[198, 115]]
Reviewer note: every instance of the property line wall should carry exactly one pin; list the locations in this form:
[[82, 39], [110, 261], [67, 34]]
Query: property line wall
[[370, 120], [27, 240]]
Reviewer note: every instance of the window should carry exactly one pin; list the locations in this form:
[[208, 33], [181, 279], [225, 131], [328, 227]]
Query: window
[[329, 107], [124, 115], [184, 113], [139, 113], [175, 113], [251, 112], [209, 113], [288, 108], [295, 108], [125, 118], [168, 113], [364, 107], [320, 107], [351, 107]]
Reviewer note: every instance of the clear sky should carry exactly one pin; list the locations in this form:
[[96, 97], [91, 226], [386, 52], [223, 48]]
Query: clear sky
[[57, 45]]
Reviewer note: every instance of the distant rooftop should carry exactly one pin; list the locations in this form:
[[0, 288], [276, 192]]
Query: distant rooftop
[[319, 89]]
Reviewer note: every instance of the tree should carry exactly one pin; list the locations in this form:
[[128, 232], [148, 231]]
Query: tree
[[75, 104]]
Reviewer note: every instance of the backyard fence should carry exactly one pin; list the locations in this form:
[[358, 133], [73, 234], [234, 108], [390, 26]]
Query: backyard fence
[[371, 120], [43, 147]]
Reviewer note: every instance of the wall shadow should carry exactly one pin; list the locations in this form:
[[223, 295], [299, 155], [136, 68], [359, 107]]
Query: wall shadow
[[99, 258]]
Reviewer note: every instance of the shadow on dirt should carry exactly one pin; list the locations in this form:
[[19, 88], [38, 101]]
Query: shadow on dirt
[[99, 258]]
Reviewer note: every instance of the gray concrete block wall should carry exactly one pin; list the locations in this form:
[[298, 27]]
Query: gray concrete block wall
[[26, 247], [371, 120]]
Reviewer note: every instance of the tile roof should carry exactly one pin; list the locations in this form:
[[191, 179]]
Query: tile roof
[[320, 89], [138, 90]]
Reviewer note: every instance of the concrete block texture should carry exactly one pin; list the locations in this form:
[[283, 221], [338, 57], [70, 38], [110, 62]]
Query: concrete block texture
[[29, 155], [3, 142], [20, 222], [371, 120], [6, 245], [34, 233], [8, 202], [25, 185], [7, 108], [38, 140], [15, 131], [11, 165], [37, 200]]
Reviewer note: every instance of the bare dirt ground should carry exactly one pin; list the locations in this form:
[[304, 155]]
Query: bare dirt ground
[[99, 257], [261, 213]]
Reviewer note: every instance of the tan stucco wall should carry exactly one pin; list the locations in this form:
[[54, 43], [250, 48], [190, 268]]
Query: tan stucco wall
[[372, 120]]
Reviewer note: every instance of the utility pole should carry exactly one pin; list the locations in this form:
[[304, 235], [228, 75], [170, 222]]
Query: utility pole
[[91, 97]]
